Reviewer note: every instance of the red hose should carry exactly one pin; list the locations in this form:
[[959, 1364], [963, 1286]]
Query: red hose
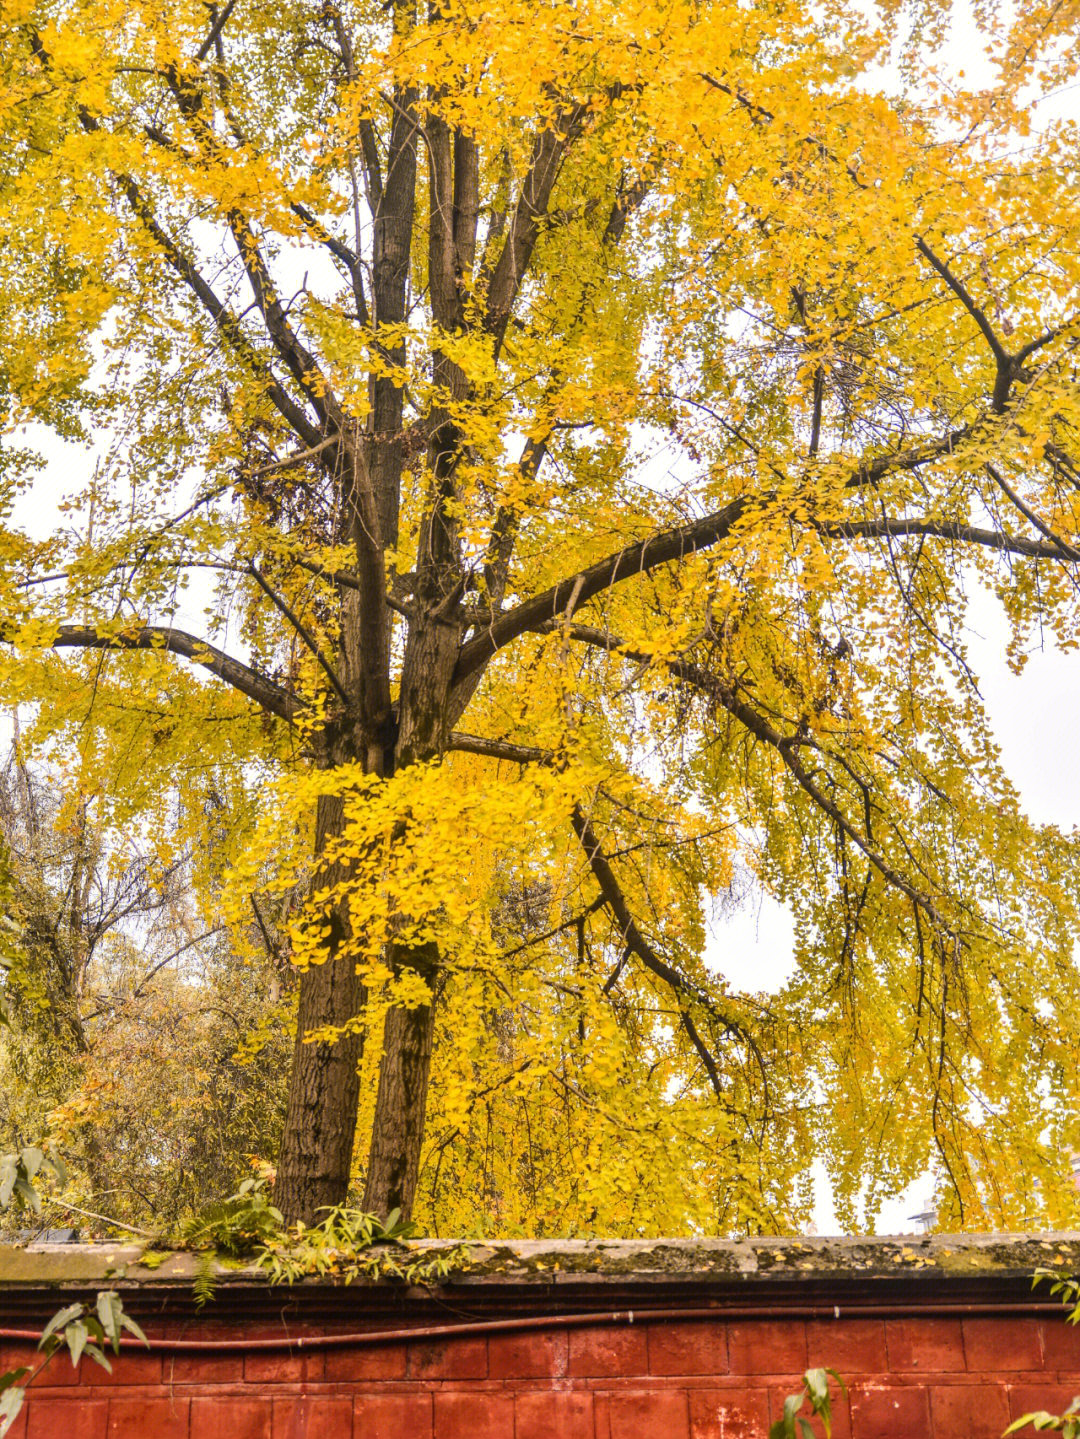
[[564, 1321]]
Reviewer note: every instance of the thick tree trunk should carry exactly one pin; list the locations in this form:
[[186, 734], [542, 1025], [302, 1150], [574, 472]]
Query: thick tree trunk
[[401, 1101], [320, 1117]]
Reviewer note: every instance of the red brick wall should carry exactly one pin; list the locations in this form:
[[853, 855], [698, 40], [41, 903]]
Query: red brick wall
[[914, 1378]]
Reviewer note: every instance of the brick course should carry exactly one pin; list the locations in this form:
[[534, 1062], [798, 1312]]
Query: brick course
[[920, 1378]]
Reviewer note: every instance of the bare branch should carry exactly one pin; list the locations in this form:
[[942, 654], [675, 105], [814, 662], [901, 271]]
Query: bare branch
[[499, 749]]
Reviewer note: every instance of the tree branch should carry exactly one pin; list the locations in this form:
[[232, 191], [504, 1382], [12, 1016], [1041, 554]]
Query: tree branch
[[784, 745], [634, 940], [340, 251], [499, 749], [946, 530], [549, 150], [215, 32], [226, 322], [635, 559], [301, 629], [272, 697], [1064, 550], [1001, 355]]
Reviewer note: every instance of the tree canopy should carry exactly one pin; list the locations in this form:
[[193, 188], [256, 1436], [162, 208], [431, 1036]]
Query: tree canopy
[[528, 468]]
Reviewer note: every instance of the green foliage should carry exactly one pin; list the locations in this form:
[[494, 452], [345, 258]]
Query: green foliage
[[84, 1332], [347, 1244], [1062, 1286], [18, 1172], [236, 1225], [1041, 1420], [350, 1244], [815, 1391], [12, 1393]]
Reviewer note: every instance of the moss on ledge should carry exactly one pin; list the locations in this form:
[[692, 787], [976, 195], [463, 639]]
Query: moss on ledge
[[750, 1262]]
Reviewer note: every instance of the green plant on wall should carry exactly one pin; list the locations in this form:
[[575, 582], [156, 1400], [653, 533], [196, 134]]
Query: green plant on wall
[[347, 1243], [1041, 1420], [350, 1244], [1067, 1423], [84, 1332], [815, 1391]]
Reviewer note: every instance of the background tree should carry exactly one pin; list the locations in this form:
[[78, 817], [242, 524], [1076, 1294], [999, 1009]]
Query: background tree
[[132, 1038], [593, 418]]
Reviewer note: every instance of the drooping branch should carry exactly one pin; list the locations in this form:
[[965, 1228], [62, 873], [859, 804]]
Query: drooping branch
[[633, 939], [1064, 551], [270, 696], [611, 895], [786, 746]]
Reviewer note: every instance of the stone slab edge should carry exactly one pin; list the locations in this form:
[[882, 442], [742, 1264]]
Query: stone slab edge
[[755, 1261]]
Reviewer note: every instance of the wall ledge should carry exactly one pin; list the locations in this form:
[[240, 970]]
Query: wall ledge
[[811, 1275]]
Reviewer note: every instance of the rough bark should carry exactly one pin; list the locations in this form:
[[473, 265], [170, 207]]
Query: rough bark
[[324, 1087], [398, 1128]]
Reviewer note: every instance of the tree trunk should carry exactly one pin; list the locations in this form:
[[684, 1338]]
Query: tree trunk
[[401, 1101], [324, 1088]]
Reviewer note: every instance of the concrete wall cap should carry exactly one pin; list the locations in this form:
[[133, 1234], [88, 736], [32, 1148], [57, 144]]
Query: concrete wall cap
[[757, 1262]]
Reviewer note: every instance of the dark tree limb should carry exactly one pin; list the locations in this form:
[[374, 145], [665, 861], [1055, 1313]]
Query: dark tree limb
[[963, 294], [549, 150], [272, 697], [342, 253], [633, 939], [635, 559], [282, 605], [499, 749], [1064, 550], [1000, 540], [214, 34]]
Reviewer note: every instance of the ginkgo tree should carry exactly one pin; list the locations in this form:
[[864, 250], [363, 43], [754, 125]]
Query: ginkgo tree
[[539, 456]]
